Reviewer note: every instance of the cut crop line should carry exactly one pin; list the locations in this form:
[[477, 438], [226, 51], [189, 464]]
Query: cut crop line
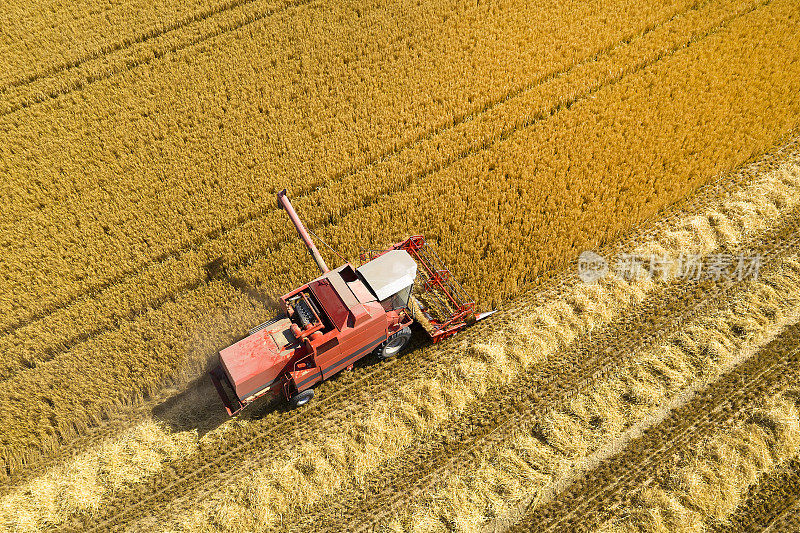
[[771, 506], [607, 368], [703, 424], [697, 424], [263, 211], [492, 439], [485, 436], [601, 365]]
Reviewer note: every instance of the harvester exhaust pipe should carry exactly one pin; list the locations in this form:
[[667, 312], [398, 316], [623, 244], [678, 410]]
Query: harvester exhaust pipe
[[283, 201]]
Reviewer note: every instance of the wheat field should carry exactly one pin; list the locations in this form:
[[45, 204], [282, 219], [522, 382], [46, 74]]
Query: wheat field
[[141, 143]]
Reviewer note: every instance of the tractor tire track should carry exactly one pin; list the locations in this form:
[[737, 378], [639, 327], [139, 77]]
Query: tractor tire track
[[262, 212], [153, 33], [270, 435], [589, 501], [484, 426], [772, 506], [143, 38], [544, 289]]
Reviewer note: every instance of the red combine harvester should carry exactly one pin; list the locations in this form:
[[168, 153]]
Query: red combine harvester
[[343, 315]]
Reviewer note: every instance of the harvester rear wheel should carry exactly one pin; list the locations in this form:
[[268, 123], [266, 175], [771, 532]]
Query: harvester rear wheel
[[394, 344], [301, 398]]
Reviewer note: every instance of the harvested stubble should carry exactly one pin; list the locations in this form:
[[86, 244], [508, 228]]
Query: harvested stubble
[[735, 122], [310, 471], [82, 483], [422, 404], [202, 137], [569, 438], [713, 478]]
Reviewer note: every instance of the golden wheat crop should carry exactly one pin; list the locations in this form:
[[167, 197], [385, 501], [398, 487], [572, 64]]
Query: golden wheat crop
[[542, 192], [200, 140], [513, 135], [426, 402], [43, 406], [116, 288], [480, 236], [37, 340], [41, 37]]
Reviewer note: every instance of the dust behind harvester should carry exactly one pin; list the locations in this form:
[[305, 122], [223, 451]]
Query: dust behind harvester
[[343, 315]]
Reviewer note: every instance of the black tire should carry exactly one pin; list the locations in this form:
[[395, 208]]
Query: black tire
[[394, 344], [301, 398]]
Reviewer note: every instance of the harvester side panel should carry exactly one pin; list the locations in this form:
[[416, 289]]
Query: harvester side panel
[[256, 361], [354, 357], [355, 343]]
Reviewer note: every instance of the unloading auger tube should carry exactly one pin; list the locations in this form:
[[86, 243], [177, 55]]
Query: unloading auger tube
[[283, 201]]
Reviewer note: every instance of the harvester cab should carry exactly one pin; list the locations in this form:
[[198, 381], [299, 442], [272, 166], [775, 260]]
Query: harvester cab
[[343, 315]]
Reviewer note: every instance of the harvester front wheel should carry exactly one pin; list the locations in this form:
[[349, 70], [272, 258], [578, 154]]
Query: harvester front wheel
[[301, 398], [394, 344]]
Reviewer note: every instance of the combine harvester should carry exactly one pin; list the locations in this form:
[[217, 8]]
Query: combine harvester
[[343, 315]]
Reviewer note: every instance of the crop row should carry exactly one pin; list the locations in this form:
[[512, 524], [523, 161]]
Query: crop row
[[44, 406], [41, 341], [33, 429], [38, 40], [707, 482], [563, 441], [132, 168], [748, 211], [773, 503]]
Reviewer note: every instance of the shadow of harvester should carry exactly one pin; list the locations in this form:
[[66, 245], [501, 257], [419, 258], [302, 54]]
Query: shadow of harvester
[[200, 408]]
